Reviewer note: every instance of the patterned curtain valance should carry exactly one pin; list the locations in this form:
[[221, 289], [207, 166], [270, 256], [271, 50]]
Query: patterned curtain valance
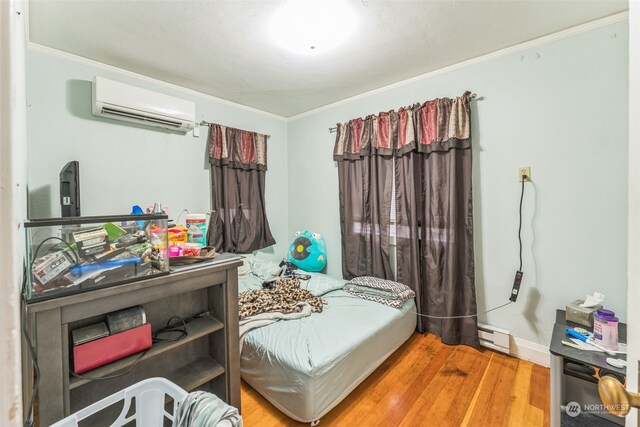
[[237, 148], [437, 125]]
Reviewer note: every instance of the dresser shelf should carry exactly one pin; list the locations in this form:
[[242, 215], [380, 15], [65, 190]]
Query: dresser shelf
[[196, 373], [197, 328]]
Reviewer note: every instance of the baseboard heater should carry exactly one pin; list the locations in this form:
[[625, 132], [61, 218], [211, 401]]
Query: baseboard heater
[[494, 338]]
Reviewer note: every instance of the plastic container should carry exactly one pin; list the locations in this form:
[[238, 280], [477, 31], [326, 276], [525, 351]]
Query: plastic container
[[148, 407], [605, 328], [197, 226], [191, 249], [197, 237], [175, 250]]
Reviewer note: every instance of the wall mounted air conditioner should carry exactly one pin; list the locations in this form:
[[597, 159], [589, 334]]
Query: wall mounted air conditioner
[[128, 103]]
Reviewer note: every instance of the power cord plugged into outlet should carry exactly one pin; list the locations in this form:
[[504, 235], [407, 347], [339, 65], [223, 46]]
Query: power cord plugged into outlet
[[525, 175]]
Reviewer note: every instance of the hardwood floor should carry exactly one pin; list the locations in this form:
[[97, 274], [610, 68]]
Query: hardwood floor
[[427, 383]]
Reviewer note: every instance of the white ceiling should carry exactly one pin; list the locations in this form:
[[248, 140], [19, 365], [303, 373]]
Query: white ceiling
[[223, 48]]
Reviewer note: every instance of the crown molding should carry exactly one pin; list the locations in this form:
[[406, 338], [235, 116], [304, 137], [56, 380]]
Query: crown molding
[[36, 47], [598, 23]]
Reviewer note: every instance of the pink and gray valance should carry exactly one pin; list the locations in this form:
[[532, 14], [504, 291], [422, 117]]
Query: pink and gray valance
[[238, 160], [436, 125], [237, 148]]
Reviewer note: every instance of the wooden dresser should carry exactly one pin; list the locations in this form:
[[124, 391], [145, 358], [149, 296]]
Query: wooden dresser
[[206, 359]]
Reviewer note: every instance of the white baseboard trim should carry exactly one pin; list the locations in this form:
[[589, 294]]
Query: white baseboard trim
[[531, 351]]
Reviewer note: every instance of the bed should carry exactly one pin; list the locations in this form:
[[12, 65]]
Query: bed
[[305, 367]]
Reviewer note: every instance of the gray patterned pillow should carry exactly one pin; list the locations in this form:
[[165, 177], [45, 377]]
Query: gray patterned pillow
[[382, 284], [383, 291]]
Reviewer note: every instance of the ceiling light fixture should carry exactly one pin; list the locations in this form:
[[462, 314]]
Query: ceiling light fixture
[[312, 26]]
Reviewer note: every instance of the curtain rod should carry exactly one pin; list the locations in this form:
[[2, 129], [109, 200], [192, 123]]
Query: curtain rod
[[208, 124], [334, 129], [204, 123]]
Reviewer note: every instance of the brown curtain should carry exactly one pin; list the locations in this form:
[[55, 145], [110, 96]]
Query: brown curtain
[[365, 184], [238, 166], [431, 145], [437, 250]]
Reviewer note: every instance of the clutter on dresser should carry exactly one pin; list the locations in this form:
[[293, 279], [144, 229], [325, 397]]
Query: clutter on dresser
[[604, 323], [76, 254], [578, 363], [188, 243], [193, 253]]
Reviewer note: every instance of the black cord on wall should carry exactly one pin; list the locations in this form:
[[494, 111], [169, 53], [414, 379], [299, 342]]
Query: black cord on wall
[[520, 224], [516, 286], [515, 290]]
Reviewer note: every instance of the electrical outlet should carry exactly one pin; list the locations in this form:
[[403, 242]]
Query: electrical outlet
[[524, 171]]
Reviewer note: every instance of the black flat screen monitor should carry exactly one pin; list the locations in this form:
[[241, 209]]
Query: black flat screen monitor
[[70, 189]]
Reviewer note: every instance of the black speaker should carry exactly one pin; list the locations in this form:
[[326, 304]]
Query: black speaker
[[70, 189]]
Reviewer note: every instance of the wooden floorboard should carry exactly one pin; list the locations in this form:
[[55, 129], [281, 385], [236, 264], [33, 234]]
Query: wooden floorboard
[[427, 383]]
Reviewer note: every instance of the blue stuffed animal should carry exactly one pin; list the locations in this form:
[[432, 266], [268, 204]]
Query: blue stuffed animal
[[307, 251]]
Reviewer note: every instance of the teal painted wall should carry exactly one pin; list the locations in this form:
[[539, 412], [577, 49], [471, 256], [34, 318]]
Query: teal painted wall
[[123, 164], [563, 113]]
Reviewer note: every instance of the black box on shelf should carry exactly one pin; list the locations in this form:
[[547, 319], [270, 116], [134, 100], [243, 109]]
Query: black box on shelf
[[89, 333]]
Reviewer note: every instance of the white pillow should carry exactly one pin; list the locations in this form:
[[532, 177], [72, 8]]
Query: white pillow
[[245, 268], [264, 268]]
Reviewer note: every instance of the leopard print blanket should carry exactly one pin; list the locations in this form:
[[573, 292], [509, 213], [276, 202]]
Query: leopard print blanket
[[284, 297]]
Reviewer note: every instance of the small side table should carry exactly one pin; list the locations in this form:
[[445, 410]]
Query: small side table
[[575, 374]]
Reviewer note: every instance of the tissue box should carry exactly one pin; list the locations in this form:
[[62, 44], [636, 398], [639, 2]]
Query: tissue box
[[581, 315]]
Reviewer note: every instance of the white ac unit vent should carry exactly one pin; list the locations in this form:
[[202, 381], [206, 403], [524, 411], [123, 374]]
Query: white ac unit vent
[[494, 338], [120, 101]]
